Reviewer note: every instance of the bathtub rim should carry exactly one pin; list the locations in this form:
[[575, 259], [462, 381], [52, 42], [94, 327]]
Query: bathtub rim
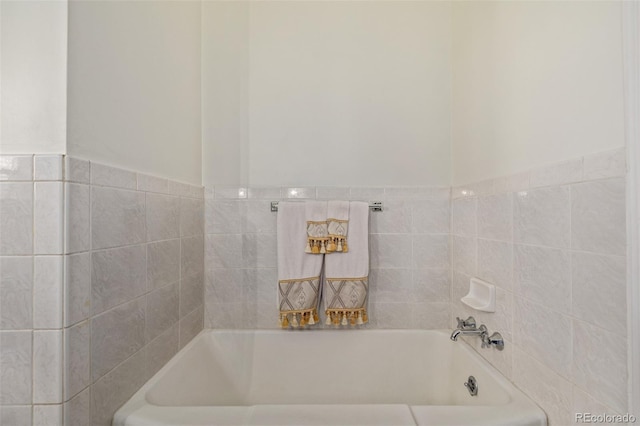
[[518, 400]]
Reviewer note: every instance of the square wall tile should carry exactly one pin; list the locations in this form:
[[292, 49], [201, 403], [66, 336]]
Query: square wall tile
[[430, 216], [257, 217], [224, 251], [191, 217], [465, 216], [542, 216], [152, 184], [431, 285], [77, 170], [77, 217], [543, 275], [48, 218], [15, 414], [543, 334], [76, 412], [163, 263], [465, 254], [116, 335], [600, 290], [332, 193], [77, 359], [612, 163], [48, 167], [112, 176], [162, 349], [48, 292], [117, 217], [162, 217], [191, 293], [495, 217], [115, 388], [179, 188], [16, 293], [557, 174], [47, 367], [225, 216], [396, 218], [390, 285], [77, 288], [546, 388], [231, 192], [163, 307], [495, 262], [16, 167], [430, 315], [47, 415], [430, 251], [191, 325], [390, 251], [15, 367], [117, 275], [259, 250], [16, 218], [191, 256], [600, 364], [598, 217]]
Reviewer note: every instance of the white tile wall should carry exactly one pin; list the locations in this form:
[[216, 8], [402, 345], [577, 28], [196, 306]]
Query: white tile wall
[[48, 167], [553, 241], [48, 292], [85, 289], [47, 366], [562, 279], [16, 291], [31, 289], [16, 218], [409, 255], [117, 217], [128, 272]]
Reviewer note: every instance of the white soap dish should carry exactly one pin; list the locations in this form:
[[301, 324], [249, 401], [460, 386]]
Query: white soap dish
[[481, 296]]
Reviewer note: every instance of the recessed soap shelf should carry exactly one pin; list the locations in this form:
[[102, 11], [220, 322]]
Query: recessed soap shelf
[[481, 296]]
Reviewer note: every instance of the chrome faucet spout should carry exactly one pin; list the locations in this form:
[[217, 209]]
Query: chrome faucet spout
[[480, 331], [455, 334]]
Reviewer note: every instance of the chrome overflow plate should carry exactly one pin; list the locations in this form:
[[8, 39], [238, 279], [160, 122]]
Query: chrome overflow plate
[[472, 386]]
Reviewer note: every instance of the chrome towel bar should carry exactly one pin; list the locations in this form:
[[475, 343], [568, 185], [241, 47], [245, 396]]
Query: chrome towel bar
[[374, 206]]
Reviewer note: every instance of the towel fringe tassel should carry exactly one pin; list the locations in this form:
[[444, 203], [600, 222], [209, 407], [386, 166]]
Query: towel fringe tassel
[[353, 317], [297, 319]]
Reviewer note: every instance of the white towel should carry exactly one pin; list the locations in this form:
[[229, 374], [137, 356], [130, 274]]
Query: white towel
[[298, 272], [317, 235], [346, 276], [337, 226]]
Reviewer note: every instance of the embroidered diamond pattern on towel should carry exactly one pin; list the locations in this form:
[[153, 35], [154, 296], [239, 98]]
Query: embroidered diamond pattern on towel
[[293, 294], [347, 293]]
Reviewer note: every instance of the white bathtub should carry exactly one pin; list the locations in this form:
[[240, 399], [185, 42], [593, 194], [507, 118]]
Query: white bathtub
[[327, 377]]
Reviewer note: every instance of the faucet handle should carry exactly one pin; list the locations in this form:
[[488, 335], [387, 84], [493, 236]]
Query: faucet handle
[[469, 323], [494, 340]]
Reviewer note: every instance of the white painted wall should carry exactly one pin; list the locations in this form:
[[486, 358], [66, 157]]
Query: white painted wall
[[534, 83], [327, 93], [33, 76], [225, 96], [134, 85]]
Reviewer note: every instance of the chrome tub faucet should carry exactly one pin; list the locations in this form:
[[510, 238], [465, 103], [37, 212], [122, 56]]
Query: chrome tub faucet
[[468, 328]]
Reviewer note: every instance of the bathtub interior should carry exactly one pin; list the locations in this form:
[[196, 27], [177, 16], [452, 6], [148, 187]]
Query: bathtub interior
[[324, 367]]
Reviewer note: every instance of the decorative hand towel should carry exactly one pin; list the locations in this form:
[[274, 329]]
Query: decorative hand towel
[[298, 272], [317, 234], [337, 226], [346, 282]]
